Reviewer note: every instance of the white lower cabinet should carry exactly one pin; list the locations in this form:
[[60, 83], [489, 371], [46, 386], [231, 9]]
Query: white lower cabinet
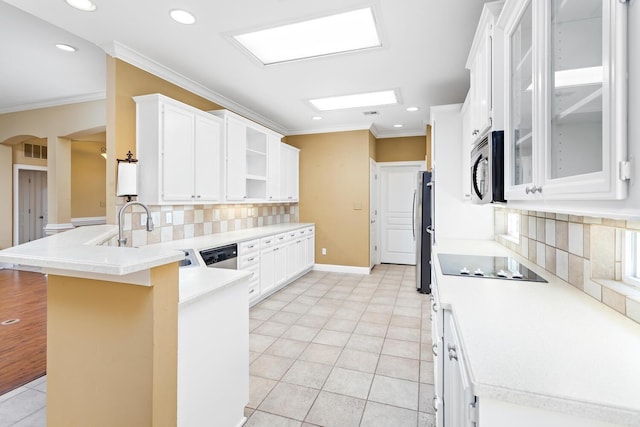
[[249, 259], [460, 404], [278, 260]]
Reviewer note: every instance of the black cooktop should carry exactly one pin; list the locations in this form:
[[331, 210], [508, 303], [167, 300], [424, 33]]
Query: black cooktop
[[488, 267]]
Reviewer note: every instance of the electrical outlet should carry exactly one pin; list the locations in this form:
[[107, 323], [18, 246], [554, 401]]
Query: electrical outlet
[[324, 251], [169, 218]]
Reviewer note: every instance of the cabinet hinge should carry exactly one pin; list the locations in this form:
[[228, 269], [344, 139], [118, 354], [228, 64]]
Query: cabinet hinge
[[624, 170], [473, 411]]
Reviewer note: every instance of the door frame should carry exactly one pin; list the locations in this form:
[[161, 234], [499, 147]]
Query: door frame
[[16, 196], [374, 205], [421, 164]]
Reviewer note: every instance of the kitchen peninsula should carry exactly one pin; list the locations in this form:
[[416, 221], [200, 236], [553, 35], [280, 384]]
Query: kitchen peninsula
[[115, 335]]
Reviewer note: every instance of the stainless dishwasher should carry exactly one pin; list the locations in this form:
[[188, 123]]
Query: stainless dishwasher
[[221, 257]]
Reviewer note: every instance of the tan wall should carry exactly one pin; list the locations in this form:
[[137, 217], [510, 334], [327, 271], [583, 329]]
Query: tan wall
[[334, 194], [124, 81], [88, 179], [6, 199], [401, 149], [112, 351]]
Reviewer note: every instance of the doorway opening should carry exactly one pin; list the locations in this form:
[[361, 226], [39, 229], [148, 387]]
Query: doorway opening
[[29, 203]]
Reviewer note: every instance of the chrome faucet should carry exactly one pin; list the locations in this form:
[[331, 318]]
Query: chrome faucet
[[122, 241]]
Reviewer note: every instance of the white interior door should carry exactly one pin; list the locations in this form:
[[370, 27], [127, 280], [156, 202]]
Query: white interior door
[[32, 204], [373, 214], [397, 185]]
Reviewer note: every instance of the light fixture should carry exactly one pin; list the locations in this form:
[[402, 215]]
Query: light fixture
[[84, 5], [182, 16], [127, 184], [398, 126], [66, 47], [316, 118], [412, 109], [386, 97], [340, 33]]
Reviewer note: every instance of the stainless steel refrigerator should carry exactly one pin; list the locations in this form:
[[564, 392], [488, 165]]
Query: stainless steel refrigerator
[[423, 231]]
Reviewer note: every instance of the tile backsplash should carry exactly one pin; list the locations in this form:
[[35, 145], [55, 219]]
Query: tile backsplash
[[177, 222], [583, 251]]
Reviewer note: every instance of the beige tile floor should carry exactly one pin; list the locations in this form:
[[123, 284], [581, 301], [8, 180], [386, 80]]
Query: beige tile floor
[[342, 350], [328, 350]]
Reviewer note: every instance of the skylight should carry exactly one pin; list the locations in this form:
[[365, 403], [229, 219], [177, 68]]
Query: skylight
[[386, 97], [344, 32]]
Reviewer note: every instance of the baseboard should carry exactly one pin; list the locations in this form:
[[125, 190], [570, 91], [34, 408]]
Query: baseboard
[[332, 268]]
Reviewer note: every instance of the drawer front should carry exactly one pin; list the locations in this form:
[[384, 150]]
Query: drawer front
[[280, 238], [310, 231], [248, 260], [249, 246], [268, 241], [254, 290]]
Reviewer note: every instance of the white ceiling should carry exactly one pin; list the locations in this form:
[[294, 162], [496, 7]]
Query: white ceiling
[[425, 47]]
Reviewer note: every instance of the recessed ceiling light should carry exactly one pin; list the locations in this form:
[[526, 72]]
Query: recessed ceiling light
[[385, 97], [316, 118], [411, 109], [344, 32], [66, 47], [398, 126], [84, 5], [182, 16]]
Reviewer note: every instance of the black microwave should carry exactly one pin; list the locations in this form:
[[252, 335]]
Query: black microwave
[[487, 169]]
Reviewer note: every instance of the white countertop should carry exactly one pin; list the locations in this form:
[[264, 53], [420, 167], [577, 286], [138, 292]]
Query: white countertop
[[78, 251], [221, 239], [199, 281], [544, 345]]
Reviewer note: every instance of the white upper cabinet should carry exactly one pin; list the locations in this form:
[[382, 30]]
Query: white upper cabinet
[[248, 159], [565, 99], [179, 148], [289, 173], [485, 67], [273, 168]]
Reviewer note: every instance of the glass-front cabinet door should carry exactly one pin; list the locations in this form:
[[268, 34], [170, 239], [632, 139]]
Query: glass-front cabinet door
[[519, 138], [566, 99], [583, 98]]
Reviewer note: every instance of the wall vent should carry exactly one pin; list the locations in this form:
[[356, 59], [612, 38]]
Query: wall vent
[[35, 151], [371, 113]]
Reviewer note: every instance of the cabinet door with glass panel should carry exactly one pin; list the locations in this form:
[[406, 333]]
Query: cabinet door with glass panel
[[520, 156], [575, 146]]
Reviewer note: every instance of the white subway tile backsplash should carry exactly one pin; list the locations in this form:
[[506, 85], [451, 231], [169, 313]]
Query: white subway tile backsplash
[[178, 217], [532, 227], [198, 216]]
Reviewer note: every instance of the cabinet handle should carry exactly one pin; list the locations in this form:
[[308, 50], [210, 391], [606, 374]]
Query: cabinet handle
[[434, 349], [267, 242], [252, 290], [251, 259], [434, 307], [193, 196], [199, 196], [452, 352], [435, 403], [251, 247], [539, 189]]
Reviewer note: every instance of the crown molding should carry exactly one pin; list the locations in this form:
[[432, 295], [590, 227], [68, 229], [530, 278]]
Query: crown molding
[[123, 52], [56, 102]]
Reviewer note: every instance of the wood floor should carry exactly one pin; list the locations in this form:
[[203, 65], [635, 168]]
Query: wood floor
[[23, 345]]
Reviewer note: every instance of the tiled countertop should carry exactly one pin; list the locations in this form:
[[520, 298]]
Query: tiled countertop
[[545, 345]]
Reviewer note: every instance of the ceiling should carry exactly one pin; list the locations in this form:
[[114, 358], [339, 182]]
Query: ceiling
[[425, 47]]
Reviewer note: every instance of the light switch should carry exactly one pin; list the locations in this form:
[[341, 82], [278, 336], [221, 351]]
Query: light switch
[[357, 205]]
